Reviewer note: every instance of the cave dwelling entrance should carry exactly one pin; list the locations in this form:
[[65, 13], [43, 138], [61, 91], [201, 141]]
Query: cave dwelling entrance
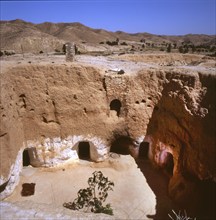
[[169, 163], [143, 150], [84, 150], [26, 158], [121, 145], [115, 105]]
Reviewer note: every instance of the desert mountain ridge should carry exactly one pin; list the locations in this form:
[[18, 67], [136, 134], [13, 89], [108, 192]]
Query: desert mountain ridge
[[20, 35]]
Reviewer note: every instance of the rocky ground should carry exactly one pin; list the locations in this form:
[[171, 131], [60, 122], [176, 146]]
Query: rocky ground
[[128, 62]]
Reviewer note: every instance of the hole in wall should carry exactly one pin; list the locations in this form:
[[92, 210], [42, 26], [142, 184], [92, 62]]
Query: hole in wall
[[121, 145], [143, 150], [26, 158], [22, 101], [44, 119], [170, 164], [116, 106], [167, 162], [84, 150], [28, 189], [156, 108], [104, 84]]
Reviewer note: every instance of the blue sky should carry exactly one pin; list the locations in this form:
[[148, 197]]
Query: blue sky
[[172, 17]]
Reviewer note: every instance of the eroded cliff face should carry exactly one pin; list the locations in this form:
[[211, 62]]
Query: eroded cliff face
[[54, 110], [183, 127]]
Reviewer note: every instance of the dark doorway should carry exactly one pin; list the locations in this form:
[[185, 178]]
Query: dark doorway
[[26, 158], [84, 150], [121, 145], [143, 150], [115, 105], [169, 164]]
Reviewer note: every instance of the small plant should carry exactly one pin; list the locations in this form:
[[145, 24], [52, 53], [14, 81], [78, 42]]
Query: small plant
[[112, 43], [179, 216], [124, 43], [93, 197], [9, 52]]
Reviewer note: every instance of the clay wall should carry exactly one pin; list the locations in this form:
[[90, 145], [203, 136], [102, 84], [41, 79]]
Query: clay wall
[[49, 109]]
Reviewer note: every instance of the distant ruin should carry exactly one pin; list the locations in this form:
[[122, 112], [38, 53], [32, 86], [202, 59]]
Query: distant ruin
[[70, 49]]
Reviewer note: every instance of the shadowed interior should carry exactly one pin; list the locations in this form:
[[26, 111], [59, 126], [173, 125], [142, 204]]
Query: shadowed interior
[[84, 150], [26, 158]]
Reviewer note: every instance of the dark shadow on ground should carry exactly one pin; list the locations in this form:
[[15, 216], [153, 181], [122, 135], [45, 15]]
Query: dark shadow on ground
[[207, 200], [158, 182], [202, 204]]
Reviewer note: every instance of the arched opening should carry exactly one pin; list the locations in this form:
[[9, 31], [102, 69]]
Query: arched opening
[[169, 165], [116, 106], [167, 162], [26, 158], [143, 150], [84, 150], [121, 145]]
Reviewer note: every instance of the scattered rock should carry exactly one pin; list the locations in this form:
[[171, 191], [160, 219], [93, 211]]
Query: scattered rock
[[121, 72]]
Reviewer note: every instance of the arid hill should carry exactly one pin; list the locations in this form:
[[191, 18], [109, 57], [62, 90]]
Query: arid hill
[[23, 36]]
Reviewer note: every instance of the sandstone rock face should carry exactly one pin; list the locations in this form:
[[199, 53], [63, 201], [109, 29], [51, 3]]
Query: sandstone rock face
[[54, 110], [183, 125]]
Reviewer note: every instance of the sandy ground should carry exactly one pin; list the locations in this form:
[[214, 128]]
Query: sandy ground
[[113, 63], [132, 198]]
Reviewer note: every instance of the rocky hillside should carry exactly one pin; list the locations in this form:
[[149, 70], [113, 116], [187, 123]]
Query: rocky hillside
[[23, 36]]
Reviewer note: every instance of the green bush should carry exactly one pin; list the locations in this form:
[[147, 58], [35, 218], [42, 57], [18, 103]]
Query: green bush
[[93, 197], [112, 43], [183, 49], [9, 52], [124, 43]]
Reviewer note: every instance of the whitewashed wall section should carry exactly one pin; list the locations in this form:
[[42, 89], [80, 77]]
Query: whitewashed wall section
[[13, 178], [51, 152]]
